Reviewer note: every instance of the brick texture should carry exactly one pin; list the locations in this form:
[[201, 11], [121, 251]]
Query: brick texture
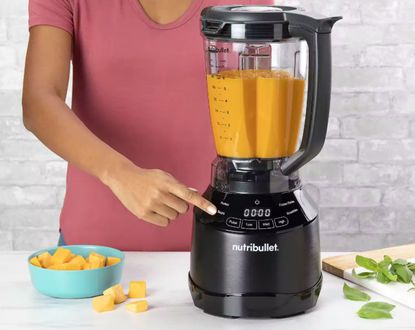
[[363, 179]]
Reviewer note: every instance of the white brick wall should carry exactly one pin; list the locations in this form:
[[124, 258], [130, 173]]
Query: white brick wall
[[31, 177], [364, 178]]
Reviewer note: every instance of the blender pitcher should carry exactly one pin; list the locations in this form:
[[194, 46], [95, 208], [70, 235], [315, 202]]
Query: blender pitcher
[[256, 87], [256, 94]]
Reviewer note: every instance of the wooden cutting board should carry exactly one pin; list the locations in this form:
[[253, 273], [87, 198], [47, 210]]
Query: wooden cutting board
[[343, 265]]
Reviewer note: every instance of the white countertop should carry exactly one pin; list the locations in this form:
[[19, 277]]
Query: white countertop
[[171, 307]]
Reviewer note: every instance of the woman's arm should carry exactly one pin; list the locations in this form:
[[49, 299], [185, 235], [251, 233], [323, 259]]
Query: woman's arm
[[152, 195]]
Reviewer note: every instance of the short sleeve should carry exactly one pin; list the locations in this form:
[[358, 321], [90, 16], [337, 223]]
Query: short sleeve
[[58, 13]]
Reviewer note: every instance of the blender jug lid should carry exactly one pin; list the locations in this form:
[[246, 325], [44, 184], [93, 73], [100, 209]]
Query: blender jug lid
[[260, 23]]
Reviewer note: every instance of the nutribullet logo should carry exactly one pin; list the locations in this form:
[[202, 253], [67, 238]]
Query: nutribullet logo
[[214, 49], [255, 248]]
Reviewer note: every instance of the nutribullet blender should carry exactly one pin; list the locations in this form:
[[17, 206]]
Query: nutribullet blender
[[259, 256]]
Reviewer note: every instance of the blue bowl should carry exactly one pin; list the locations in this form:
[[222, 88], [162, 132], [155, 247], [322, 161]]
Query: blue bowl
[[77, 283]]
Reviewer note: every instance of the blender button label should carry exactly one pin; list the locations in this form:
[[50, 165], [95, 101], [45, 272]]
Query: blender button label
[[286, 203], [266, 224], [292, 211], [248, 224], [281, 222], [233, 222]]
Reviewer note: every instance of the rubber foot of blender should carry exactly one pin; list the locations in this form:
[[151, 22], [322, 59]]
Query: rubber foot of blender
[[255, 306]]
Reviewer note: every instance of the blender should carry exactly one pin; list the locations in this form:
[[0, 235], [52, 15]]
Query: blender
[[259, 256]]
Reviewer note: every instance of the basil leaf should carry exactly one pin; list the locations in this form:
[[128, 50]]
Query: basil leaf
[[373, 314], [354, 294], [385, 271], [387, 259], [383, 265], [367, 263], [380, 277], [402, 262], [403, 273], [376, 310], [380, 305], [411, 267], [363, 274]]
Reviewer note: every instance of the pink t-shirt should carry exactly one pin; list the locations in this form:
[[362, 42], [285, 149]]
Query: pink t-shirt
[[140, 87]]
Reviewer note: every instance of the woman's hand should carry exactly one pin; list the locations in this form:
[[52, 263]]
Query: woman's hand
[[154, 195]]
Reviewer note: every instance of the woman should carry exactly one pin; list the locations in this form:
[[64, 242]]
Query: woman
[[138, 134]]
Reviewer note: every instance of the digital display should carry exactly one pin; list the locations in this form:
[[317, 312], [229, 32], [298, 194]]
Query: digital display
[[257, 212]]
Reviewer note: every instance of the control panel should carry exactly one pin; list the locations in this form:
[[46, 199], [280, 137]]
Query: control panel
[[259, 212]]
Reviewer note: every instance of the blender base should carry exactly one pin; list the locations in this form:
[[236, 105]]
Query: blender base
[[266, 305]]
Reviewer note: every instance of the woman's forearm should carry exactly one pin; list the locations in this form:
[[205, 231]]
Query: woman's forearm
[[45, 112], [50, 119]]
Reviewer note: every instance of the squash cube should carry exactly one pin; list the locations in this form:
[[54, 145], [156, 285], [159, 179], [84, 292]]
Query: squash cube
[[100, 256], [35, 262], [103, 303], [61, 256], [96, 260], [137, 289], [66, 266], [112, 261], [45, 259], [56, 267], [72, 266], [137, 306], [86, 266], [117, 292], [78, 260]]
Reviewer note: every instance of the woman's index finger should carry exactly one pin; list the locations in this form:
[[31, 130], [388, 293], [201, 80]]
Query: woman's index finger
[[193, 197]]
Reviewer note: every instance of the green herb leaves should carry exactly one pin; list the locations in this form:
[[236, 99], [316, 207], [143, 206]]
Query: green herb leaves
[[387, 270], [372, 310], [402, 269], [367, 263], [363, 274], [354, 294], [386, 274], [376, 310]]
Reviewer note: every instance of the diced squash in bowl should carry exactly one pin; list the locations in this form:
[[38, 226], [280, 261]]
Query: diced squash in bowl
[[64, 259], [45, 259], [112, 261], [80, 260], [61, 256], [65, 266], [66, 272], [96, 260], [35, 262]]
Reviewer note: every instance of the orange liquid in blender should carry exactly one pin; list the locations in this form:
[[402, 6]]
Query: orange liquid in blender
[[255, 113]]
